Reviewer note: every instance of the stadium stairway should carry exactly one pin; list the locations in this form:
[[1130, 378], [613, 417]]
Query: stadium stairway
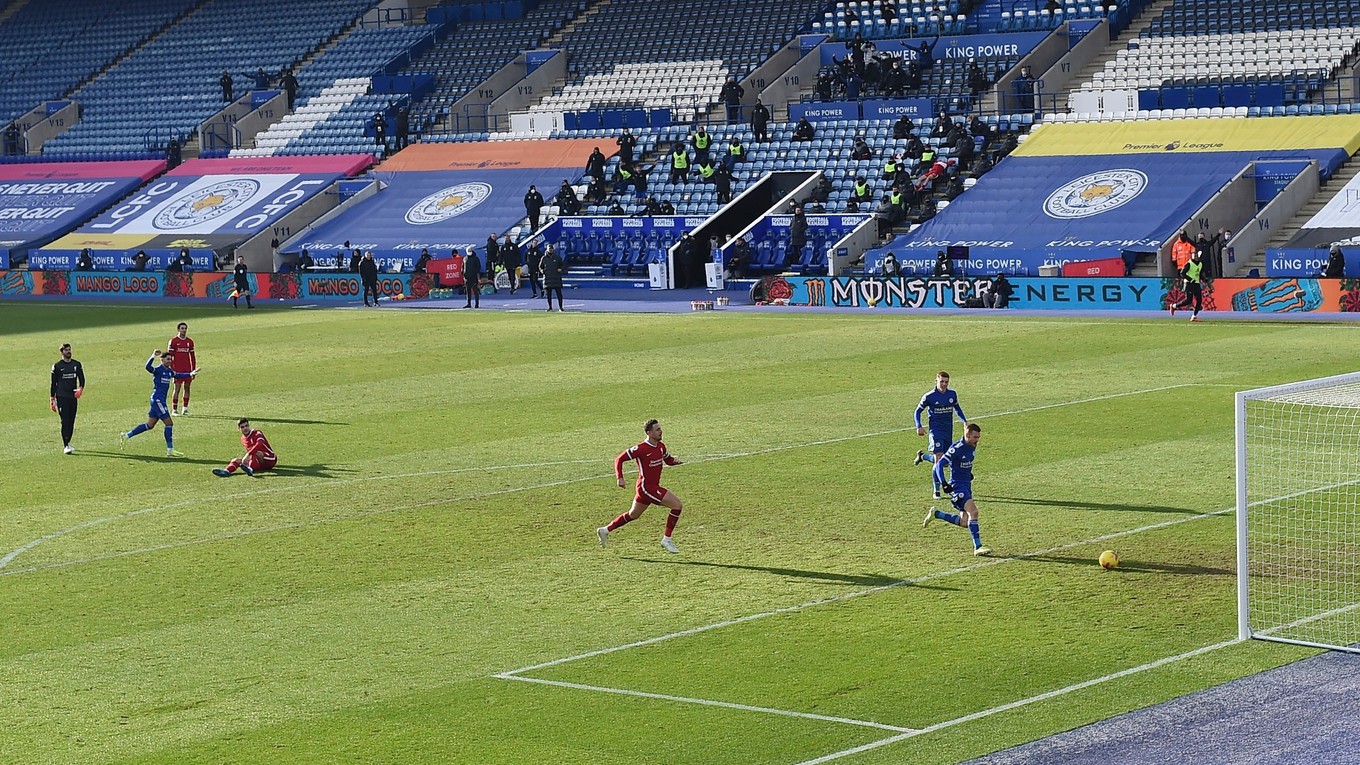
[[1337, 181], [1139, 24]]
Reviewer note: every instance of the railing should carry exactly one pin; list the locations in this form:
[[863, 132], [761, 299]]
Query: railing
[[219, 136]]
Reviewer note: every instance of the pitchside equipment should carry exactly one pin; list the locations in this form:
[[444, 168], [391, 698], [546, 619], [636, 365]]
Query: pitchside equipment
[[1298, 513]]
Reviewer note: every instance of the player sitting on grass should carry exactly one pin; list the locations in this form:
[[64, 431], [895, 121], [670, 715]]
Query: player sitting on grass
[[259, 454], [959, 459], [161, 377]]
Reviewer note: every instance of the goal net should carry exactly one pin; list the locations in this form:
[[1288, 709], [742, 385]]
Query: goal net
[[1298, 513]]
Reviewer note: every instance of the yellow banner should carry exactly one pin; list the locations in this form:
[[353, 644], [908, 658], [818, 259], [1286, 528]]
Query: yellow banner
[[78, 241], [1067, 139]]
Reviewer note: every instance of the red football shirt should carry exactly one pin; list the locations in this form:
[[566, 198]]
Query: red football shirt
[[182, 358], [257, 444], [649, 459]]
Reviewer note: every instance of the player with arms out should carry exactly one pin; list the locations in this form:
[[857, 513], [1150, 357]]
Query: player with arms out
[[959, 459], [259, 454], [182, 360], [161, 376], [942, 404], [650, 455]]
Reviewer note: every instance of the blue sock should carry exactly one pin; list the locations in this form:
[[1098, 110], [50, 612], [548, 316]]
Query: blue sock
[[949, 517], [977, 534], [142, 428], [169, 436]]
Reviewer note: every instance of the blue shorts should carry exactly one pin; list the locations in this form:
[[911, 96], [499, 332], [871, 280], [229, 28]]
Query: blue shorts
[[960, 496], [940, 440], [158, 410]]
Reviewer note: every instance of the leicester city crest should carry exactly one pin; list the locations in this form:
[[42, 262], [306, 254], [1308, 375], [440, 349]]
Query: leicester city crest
[[448, 203], [1095, 194], [207, 203]]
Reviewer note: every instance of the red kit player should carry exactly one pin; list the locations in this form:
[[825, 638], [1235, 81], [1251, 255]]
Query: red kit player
[[650, 456], [182, 360], [259, 454]]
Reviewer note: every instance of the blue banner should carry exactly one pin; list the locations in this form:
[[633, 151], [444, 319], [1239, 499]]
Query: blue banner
[[533, 59], [1078, 29], [930, 292], [806, 43], [1010, 45], [886, 109], [821, 111], [1307, 262]]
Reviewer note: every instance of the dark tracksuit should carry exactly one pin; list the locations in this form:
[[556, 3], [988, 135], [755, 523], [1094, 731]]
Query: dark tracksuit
[[368, 274], [66, 377], [472, 277]]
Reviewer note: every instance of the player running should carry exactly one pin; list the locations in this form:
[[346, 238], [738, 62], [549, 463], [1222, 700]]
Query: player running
[[259, 454], [650, 456], [959, 460], [182, 359], [160, 412], [942, 403]]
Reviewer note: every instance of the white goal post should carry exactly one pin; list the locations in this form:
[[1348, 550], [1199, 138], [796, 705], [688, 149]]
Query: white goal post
[[1298, 513]]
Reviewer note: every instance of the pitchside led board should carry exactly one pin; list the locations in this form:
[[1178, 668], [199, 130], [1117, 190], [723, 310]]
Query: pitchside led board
[[41, 201], [204, 205], [449, 195], [1075, 192]]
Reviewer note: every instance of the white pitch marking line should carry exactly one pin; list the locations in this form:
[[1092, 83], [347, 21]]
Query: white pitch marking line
[[709, 703], [1021, 702], [9, 557]]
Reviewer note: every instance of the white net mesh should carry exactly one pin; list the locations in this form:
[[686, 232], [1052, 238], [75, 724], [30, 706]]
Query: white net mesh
[[1303, 512]]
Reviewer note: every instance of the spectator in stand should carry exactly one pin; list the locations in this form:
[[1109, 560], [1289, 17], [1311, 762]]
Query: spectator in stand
[[822, 191], [260, 78], [1181, 250], [290, 87], [679, 163], [667, 208], [627, 143], [616, 210], [533, 207], [625, 175], [738, 259], [894, 80], [925, 54], [227, 86], [937, 170], [1209, 250], [902, 128], [403, 120], [965, 151], [861, 192], [722, 184], [84, 262], [702, 142], [999, 296], [380, 132], [977, 77], [422, 262], [942, 126], [736, 153], [981, 165], [888, 10], [798, 229], [354, 259], [1336, 263], [566, 200], [977, 127], [305, 262], [804, 131], [532, 263], [139, 261], [825, 88], [890, 169], [731, 95], [183, 262], [597, 192], [1024, 90], [653, 206], [368, 274], [760, 122], [860, 150], [595, 164]]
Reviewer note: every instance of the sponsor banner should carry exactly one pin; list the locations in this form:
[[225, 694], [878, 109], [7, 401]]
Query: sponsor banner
[[821, 111], [806, 43], [41, 201], [1034, 211], [1012, 45], [1105, 267], [533, 59], [217, 285], [1296, 135], [334, 164], [1078, 29], [494, 155], [885, 109], [1309, 262], [1247, 295]]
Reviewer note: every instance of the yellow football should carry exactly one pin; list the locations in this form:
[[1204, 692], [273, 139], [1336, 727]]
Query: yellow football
[[1109, 559]]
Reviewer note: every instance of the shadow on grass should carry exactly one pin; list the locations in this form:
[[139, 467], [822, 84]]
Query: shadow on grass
[[861, 580], [1133, 565], [1071, 504], [148, 458], [266, 420], [313, 471]]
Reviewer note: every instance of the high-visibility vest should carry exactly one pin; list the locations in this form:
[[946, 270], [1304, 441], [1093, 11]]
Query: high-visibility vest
[[702, 140], [734, 150], [679, 159], [624, 174], [1193, 270], [861, 189], [890, 167], [1181, 251], [896, 198], [706, 171]]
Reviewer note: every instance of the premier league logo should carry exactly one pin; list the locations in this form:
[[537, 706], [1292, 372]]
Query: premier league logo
[[1095, 194], [448, 203], [208, 203]]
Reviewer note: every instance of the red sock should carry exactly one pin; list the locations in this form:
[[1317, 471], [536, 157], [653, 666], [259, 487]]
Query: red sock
[[619, 521], [671, 520]]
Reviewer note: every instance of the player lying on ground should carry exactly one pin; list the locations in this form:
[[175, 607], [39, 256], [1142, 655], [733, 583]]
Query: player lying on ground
[[259, 454]]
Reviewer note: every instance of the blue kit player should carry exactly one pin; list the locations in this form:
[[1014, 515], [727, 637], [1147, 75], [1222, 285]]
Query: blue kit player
[[942, 404], [959, 459], [161, 377]]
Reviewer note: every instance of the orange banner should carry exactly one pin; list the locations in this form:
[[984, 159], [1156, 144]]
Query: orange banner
[[496, 155]]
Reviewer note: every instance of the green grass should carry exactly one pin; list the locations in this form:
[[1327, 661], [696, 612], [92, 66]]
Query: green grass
[[442, 475]]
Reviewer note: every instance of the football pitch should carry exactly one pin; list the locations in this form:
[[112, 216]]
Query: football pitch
[[420, 580]]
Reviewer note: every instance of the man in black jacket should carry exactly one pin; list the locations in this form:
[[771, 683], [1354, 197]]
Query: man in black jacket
[[68, 383], [533, 205], [493, 259], [368, 274], [472, 276], [552, 268], [760, 121]]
